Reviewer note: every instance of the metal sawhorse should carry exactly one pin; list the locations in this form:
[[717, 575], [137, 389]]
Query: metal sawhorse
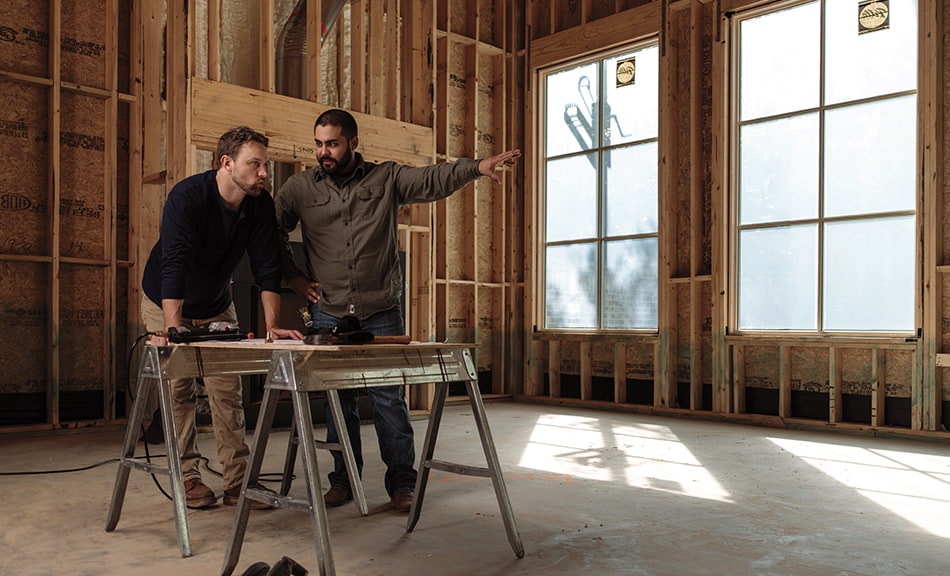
[[300, 369], [160, 365]]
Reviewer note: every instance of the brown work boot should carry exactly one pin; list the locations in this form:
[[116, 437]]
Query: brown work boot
[[232, 495], [337, 497], [197, 495], [402, 500]]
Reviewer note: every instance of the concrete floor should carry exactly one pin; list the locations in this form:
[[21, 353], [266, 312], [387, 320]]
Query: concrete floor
[[593, 493]]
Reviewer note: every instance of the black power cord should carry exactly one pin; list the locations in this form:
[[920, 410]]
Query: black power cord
[[148, 456]]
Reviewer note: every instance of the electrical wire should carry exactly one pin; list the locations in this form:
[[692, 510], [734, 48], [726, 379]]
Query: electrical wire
[[264, 477]]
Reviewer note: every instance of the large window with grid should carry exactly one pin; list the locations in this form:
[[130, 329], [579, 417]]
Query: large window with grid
[[599, 177], [825, 147]]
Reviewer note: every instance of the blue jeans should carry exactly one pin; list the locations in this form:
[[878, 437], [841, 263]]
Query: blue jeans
[[390, 414]]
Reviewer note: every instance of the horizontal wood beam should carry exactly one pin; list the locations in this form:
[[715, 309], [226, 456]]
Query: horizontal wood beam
[[288, 123], [621, 28]]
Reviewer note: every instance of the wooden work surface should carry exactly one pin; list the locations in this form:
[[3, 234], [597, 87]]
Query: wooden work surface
[[323, 367]]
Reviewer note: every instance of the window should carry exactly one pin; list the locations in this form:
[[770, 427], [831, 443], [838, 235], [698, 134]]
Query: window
[[599, 147], [825, 130]]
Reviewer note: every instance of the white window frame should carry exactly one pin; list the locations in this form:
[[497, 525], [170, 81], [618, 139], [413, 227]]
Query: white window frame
[[734, 226], [601, 236]]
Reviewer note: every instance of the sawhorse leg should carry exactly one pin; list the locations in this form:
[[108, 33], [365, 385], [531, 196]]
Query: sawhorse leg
[[281, 375], [150, 371], [344, 446], [493, 470]]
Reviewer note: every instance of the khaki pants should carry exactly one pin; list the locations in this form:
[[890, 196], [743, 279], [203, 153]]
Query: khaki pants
[[225, 399]]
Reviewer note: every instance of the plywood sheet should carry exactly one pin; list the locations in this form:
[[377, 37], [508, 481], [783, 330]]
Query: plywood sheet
[[762, 366], [640, 361], [82, 327], [809, 369], [24, 197], [82, 153], [25, 316], [24, 37], [84, 45], [855, 367]]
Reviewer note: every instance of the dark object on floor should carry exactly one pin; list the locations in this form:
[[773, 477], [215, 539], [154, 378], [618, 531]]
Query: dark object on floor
[[284, 567]]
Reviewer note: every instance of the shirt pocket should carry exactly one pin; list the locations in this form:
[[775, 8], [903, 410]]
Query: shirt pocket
[[369, 200], [316, 208]]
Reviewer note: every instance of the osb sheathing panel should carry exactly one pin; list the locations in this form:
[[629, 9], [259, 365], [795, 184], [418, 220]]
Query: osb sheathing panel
[[460, 230], [898, 373], [24, 200], [82, 204], [24, 313], [489, 300], [460, 67], [570, 358], [640, 362], [82, 322], [602, 359], [680, 123], [855, 369], [809, 369], [84, 46], [486, 227], [488, 98], [24, 37], [761, 367], [460, 313]]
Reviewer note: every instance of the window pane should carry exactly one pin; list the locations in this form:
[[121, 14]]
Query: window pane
[[570, 292], [869, 275], [571, 125], [870, 157], [571, 198], [630, 284], [778, 170], [631, 110], [778, 278], [871, 64], [631, 189], [779, 61]]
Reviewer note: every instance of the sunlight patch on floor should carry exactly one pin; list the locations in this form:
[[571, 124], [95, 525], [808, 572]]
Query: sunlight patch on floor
[[643, 455], [915, 487]]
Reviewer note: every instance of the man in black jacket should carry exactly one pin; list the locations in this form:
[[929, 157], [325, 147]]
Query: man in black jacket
[[209, 222]]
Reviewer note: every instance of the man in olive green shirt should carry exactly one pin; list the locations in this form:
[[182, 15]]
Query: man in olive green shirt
[[348, 211]]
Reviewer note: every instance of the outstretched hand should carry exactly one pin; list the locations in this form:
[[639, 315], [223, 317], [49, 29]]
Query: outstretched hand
[[491, 166]]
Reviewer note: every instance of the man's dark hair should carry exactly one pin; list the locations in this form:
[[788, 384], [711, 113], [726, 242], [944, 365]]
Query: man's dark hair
[[341, 118], [233, 139]]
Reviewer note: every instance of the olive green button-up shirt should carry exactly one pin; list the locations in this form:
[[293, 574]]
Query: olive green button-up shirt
[[349, 228]]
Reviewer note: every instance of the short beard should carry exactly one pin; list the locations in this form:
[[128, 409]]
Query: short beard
[[338, 168]]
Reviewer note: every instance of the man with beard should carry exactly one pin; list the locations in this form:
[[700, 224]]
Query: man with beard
[[348, 210], [209, 221]]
